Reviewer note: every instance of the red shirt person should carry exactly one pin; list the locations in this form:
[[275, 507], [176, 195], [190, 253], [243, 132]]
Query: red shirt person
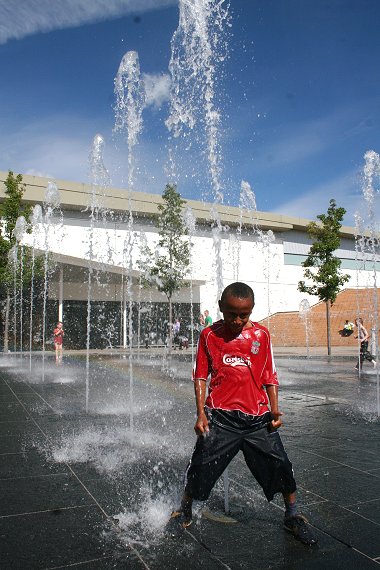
[[59, 333], [239, 412], [241, 367]]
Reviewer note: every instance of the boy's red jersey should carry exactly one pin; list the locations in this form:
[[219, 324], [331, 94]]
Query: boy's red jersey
[[240, 367]]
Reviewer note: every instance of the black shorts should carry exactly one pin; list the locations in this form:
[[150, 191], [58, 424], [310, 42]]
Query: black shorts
[[263, 452]]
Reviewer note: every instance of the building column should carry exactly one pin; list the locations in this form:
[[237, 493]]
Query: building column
[[60, 295], [124, 320]]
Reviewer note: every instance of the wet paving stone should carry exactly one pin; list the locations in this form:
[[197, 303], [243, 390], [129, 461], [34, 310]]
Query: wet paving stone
[[55, 539], [64, 470], [50, 492]]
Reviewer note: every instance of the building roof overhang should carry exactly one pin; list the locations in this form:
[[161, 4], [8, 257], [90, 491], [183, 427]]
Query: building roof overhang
[[76, 196]]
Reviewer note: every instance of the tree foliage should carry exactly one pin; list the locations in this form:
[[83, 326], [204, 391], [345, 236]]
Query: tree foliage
[[167, 267], [21, 271], [10, 210], [321, 266], [172, 257]]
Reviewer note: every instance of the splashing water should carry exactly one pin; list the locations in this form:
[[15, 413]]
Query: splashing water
[[20, 228], [247, 207], [130, 101], [190, 224], [111, 450], [99, 179], [247, 199], [13, 263], [371, 174], [99, 175], [36, 220], [304, 312], [147, 524], [52, 197], [197, 46], [371, 178], [19, 232], [266, 238], [360, 264], [52, 203]]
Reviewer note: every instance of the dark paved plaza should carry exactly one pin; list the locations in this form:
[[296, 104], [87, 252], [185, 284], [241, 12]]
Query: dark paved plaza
[[71, 465]]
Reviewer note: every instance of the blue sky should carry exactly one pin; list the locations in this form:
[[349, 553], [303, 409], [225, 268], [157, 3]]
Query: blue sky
[[299, 96]]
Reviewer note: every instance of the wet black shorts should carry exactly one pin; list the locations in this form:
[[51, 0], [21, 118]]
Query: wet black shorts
[[263, 452]]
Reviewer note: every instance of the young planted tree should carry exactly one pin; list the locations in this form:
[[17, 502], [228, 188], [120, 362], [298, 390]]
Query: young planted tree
[[321, 266], [167, 267], [10, 210]]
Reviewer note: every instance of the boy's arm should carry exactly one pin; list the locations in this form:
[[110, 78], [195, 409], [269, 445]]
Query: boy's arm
[[201, 425], [272, 392], [271, 386], [200, 374]]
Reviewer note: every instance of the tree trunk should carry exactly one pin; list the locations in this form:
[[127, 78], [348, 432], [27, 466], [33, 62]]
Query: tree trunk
[[328, 328], [6, 324], [170, 339]]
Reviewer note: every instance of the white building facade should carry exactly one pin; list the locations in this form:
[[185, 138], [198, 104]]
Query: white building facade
[[96, 250]]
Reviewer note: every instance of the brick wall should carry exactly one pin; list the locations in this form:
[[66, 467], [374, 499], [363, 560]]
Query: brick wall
[[289, 329]]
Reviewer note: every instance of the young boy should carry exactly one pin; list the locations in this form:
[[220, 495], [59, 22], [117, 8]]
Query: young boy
[[235, 416]]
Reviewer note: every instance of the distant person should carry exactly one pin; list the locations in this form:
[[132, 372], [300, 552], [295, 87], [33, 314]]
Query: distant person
[[208, 319], [58, 333], [183, 341], [177, 327], [348, 328], [363, 337], [201, 324], [179, 339], [240, 412]]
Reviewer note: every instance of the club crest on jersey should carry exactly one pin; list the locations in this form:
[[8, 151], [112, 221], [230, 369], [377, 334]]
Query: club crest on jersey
[[234, 360], [255, 347]]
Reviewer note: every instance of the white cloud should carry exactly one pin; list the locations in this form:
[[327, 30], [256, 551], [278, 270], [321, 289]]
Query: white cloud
[[345, 190], [296, 147], [27, 17], [57, 147], [41, 173], [157, 88], [296, 142], [291, 143]]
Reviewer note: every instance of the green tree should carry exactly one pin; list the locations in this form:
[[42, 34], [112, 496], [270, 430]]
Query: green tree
[[10, 210], [321, 266], [171, 260]]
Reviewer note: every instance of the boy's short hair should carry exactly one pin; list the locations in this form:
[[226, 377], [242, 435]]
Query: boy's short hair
[[238, 289]]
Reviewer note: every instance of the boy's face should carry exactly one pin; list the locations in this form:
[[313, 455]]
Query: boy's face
[[236, 312]]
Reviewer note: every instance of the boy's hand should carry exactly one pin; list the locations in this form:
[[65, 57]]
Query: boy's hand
[[276, 419], [201, 425]]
